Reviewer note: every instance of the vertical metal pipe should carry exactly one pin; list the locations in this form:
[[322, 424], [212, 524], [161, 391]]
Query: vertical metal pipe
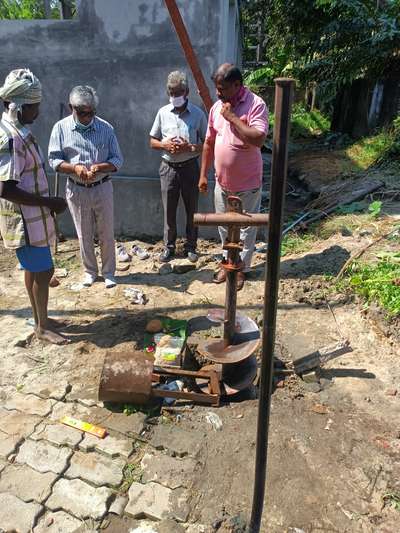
[[231, 288], [283, 102], [230, 307], [190, 55]]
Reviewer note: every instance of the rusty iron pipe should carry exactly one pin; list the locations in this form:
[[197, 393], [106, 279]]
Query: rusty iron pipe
[[283, 103], [190, 55], [230, 219], [231, 287]]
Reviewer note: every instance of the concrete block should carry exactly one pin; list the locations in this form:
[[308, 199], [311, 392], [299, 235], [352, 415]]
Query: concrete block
[[96, 468], [16, 515], [26, 484], [43, 457]]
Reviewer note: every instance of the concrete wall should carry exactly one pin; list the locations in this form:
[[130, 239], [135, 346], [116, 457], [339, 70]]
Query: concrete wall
[[125, 49]]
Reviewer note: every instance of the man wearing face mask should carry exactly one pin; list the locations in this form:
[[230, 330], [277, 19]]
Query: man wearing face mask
[[237, 128], [85, 147], [179, 131]]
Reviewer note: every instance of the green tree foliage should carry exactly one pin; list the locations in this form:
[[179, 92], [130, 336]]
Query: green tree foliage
[[29, 9], [329, 41]]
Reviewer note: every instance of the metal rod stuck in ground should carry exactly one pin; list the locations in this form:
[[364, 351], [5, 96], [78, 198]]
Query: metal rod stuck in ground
[[283, 104]]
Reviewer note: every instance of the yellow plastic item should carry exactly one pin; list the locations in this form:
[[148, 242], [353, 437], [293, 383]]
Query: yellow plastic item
[[84, 426]]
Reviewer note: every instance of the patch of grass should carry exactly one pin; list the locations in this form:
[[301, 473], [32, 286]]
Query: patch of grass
[[132, 473], [295, 243], [344, 222], [383, 146], [69, 263], [392, 499], [379, 282], [306, 124]]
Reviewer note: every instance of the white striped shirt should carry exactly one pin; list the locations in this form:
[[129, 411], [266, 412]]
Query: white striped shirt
[[97, 144]]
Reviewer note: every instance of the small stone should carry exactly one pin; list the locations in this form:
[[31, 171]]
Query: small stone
[[96, 469], [118, 505], [8, 444], [182, 267], [131, 425], [168, 471], [26, 484], [166, 268], [310, 377], [111, 446], [18, 424], [177, 441], [59, 522], [151, 500], [16, 515], [391, 392], [79, 498], [22, 340], [58, 434], [43, 457]]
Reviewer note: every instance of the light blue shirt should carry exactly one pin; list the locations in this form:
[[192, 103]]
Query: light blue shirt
[[97, 144], [191, 125]]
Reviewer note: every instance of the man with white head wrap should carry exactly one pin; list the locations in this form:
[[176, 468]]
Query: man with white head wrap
[[85, 147], [26, 210]]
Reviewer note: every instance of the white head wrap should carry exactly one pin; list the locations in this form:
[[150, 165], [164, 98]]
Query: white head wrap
[[20, 87]]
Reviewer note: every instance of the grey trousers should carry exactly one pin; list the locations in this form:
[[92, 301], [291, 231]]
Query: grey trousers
[[93, 208], [251, 201], [177, 181]]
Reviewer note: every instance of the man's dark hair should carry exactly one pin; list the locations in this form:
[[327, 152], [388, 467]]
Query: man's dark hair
[[228, 73]]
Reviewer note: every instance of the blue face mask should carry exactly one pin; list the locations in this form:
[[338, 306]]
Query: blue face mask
[[83, 127]]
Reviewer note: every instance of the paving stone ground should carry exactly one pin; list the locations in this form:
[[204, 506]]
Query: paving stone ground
[[17, 515], [79, 499]]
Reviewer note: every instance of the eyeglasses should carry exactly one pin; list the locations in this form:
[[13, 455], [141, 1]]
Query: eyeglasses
[[82, 113]]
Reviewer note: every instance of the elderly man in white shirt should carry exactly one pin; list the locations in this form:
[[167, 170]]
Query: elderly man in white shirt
[[85, 147]]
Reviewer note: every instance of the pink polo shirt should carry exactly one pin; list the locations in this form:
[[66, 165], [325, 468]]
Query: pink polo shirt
[[238, 166]]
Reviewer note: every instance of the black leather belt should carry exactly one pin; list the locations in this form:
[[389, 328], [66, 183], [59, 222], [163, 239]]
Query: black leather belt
[[90, 185], [181, 163]]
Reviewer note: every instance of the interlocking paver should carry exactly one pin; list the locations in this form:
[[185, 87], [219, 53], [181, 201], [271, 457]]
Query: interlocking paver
[[96, 468], [79, 498], [26, 483], [157, 502], [8, 444], [59, 522], [113, 446], [18, 424], [131, 425], [16, 515], [177, 441], [58, 434], [118, 505], [151, 500], [29, 404], [43, 457], [44, 388], [168, 471]]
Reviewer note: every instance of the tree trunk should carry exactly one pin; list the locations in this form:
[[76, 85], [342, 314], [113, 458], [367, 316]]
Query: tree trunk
[[47, 9], [66, 9], [350, 113], [390, 102]]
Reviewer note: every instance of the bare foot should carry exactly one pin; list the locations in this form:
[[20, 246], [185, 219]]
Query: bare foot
[[50, 336], [54, 282]]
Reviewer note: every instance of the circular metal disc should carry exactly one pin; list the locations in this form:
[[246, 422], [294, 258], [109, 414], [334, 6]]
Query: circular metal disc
[[245, 343]]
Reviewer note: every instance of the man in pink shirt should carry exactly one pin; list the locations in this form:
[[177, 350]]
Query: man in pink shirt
[[237, 128]]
